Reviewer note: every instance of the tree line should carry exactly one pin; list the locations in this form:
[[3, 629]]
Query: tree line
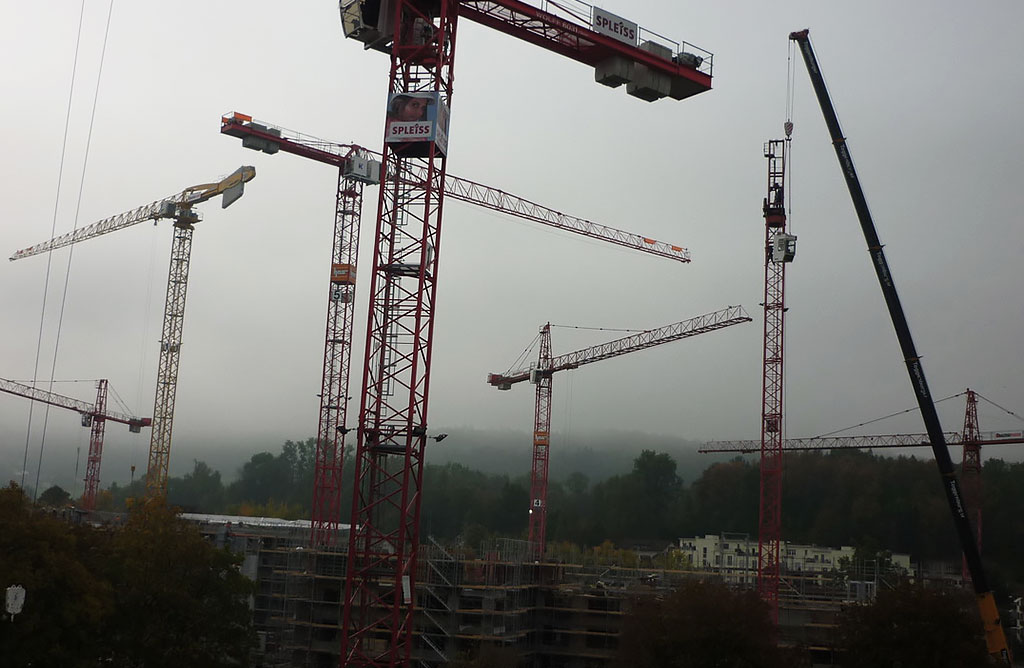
[[839, 498]]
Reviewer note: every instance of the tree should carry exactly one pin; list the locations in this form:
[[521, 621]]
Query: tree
[[54, 496], [65, 600], [178, 599], [701, 625], [911, 626], [198, 491]]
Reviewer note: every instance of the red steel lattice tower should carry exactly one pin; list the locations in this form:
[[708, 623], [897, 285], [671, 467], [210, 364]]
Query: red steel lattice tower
[[392, 431], [779, 249], [330, 439], [970, 471], [377, 627], [541, 445], [92, 462]]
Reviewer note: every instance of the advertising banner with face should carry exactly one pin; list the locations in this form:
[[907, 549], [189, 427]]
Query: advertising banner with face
[[417, 117]]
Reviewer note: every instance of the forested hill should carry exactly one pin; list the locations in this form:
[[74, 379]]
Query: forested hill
[[853, 498], [597, 455]]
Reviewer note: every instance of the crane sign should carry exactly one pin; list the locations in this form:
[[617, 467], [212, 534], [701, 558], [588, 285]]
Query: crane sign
[[420, 38], [541, 375], [180, 209], [358, 167], [93, 416]]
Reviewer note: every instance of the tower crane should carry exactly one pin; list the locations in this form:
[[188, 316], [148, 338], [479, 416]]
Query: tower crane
[[541, 375], [995, 637], [94, 416], [971, 439], [779, 250], [420, 38], [358, 166], [180, 209]]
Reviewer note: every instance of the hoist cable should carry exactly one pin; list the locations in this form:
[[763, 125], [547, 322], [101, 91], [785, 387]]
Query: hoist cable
[[53, 227], [78, 206]]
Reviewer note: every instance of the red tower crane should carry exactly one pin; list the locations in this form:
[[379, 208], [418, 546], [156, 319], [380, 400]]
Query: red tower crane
[[541, 375], [94, 416], [420, 36], [971, 440], [779, 250], [357, 167], [178, 208]]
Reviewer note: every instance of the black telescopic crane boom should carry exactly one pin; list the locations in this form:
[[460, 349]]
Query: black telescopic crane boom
[[995, 638]]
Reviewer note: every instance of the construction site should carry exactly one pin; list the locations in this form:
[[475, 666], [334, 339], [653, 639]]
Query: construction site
[[550, 614], [361, 583]]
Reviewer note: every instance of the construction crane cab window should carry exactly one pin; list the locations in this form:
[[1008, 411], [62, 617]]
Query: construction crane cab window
[[784, 248], [368, 21]]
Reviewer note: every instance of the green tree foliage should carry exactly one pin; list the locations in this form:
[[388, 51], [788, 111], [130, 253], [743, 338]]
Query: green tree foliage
[[1003, 526], [199, 491], [461, 499], [54, 496], [66, 602], [701, 625], [285, 479], [847, 497], [913, 627], [178, 600], [152, 593]]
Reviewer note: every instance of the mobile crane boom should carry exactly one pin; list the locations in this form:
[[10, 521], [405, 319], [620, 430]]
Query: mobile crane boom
[[995, 638]]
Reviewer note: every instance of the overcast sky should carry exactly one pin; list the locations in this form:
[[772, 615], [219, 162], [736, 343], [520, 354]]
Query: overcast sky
[[929, 96]]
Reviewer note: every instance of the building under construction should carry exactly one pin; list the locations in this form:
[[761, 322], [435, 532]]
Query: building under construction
[[549, 614]]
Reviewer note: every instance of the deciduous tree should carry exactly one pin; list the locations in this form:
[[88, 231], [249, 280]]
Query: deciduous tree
[[911, 626], [701, 625]]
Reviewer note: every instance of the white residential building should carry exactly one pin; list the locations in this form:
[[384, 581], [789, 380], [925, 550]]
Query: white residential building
[[735, 556]]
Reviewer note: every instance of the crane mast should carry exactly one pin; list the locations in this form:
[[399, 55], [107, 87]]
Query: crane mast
[[94, 416], [541, 376], [970, 470], [356, 169], [420, 36], [779, 250], [180, 209], [995, 637], [377, 626]]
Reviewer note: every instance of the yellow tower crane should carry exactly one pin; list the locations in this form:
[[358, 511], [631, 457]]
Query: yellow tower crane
[[180, 209]]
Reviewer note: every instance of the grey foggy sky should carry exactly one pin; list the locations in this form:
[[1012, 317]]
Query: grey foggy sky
[[929, 96]]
